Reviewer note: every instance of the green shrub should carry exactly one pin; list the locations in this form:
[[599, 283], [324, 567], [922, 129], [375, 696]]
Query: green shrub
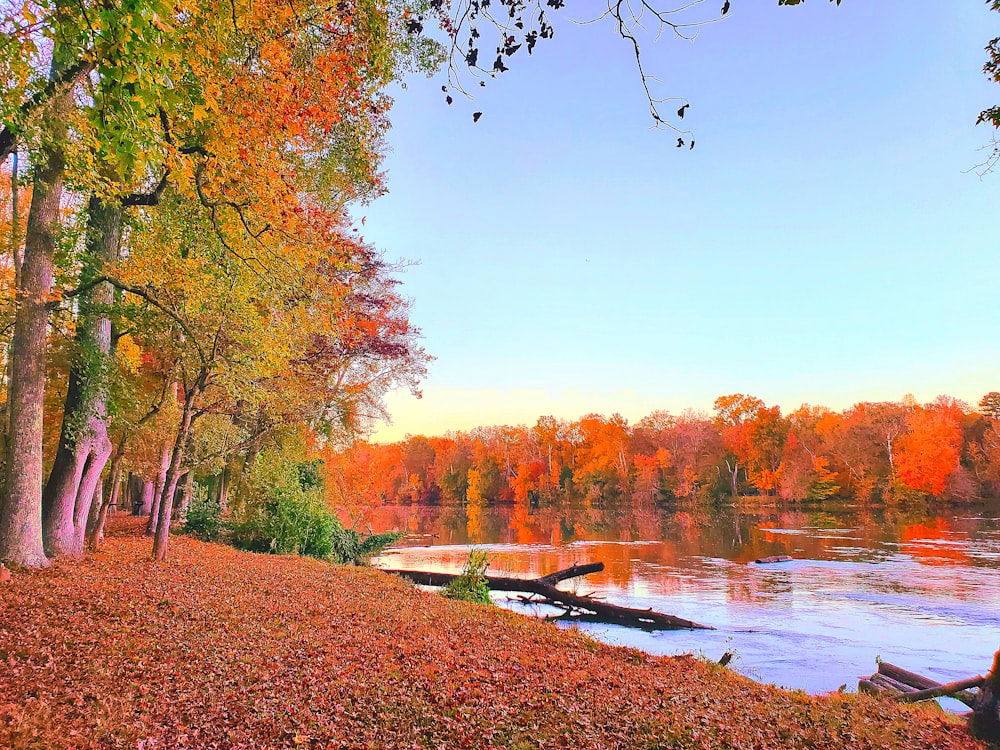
[[294, 520], [471, 585], [204, 516], [291, 522], [350, 547]]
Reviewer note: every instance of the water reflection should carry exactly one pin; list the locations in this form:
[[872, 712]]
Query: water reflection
[[917, 588]]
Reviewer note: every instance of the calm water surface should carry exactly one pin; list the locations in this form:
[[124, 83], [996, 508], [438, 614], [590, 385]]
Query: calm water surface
[[920, 589]]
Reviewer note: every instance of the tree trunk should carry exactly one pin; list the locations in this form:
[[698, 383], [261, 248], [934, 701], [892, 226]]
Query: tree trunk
[[21, 511], [985, 720], [148, 498], [188, 492], [251, 457], [172, 492], [161, 539], [161, 481], [84, 446], [224, 488], [97, 505], [95, 531]]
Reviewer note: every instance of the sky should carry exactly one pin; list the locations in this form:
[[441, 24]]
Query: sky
[[827, 241]]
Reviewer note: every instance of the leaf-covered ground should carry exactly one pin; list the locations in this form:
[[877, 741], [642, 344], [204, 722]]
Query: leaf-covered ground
[[223, 649]]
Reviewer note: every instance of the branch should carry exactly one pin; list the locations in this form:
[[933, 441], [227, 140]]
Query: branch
[[68, 75], [150, 298], [147, 199]]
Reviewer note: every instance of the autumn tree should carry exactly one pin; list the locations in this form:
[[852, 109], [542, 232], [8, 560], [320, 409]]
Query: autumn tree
[[734, 415], [929, 451], [243, 135]]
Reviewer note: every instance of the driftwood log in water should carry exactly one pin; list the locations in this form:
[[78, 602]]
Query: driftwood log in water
[[909, 687], [941, 691], [545, 587], [910, 682]]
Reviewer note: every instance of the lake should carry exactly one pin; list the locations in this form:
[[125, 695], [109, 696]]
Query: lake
[[918, 588]]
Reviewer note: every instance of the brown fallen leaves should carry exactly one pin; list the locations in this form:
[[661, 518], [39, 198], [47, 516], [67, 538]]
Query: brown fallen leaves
[[223, 649]]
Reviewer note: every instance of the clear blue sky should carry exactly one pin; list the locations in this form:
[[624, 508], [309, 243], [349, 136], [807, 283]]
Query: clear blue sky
[[823, 243]]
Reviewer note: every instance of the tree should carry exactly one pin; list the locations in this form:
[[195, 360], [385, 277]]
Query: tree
[[930, 450], [733, 415], [990, 405], [291, 126]]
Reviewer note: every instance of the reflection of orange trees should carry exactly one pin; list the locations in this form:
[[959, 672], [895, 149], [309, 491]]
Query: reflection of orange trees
[[520, 524], [475, 506], [932, 543], [743, 585]]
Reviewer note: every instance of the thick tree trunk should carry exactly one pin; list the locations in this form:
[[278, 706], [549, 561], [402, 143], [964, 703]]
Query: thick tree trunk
[[248, 461], [160, 541], [985, 720], [96, 507], [21, 508], [84, 446]]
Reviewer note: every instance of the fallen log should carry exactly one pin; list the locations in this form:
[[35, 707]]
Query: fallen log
[[919, 682], [545, 588], [941, 691], [869, 687], [890, 685], [985, 720], [773, 559]]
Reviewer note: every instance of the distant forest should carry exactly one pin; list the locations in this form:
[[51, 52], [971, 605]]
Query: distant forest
[[892, 452]]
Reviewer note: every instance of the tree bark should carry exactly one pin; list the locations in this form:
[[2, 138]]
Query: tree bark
[[148, 497], [95, 531], [161, 540], [187, 493], [161, 481], [21, 510], [84, 446]]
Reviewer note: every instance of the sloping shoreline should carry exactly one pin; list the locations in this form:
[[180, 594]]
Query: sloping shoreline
[[218, 648]]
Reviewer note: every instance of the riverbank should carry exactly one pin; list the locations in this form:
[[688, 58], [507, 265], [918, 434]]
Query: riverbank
[[218, 648]]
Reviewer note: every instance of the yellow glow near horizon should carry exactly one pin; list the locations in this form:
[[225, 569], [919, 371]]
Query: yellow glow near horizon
[[445, 409]]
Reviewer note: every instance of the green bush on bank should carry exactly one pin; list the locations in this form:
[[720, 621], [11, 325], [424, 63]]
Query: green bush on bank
[[471, 585], [281, 509], [289, 516]]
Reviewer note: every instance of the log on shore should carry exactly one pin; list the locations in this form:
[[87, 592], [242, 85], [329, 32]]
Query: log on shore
[[890, 685], [545, 588], [949, 688], [919, 682], [984, 722]]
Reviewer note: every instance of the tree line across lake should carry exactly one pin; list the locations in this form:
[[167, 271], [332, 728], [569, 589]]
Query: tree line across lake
[[893, 452]]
